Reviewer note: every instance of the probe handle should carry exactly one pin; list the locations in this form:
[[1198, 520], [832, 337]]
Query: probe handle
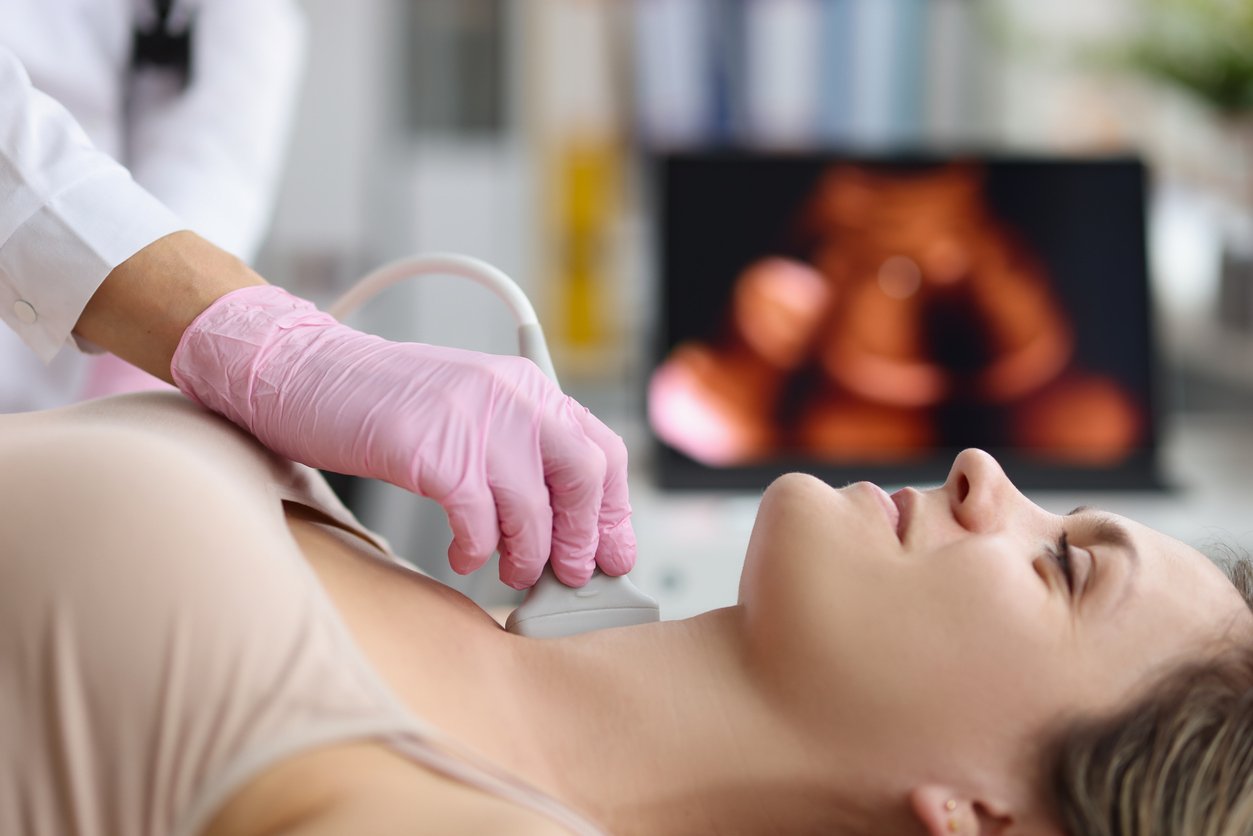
[[550, 608]]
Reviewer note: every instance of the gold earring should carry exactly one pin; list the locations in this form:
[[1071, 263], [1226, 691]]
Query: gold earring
[[951, 805]]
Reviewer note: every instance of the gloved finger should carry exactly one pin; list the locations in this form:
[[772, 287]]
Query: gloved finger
[[574, 469], [515, 469], [616, 550], [475, 529], [526, 520]]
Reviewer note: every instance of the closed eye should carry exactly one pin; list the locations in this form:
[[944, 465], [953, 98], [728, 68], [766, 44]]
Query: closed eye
[[1059, 553]]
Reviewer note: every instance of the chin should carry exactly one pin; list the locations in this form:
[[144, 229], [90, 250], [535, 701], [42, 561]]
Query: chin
[[808, 549], [795, 485]]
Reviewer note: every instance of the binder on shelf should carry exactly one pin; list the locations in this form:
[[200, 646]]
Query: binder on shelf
[[783, 48], [888, 62], [835, 89], [671, 61], [951, 72], [727, 70]]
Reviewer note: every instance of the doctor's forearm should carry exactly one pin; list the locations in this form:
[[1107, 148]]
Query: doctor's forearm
[[142, 308]]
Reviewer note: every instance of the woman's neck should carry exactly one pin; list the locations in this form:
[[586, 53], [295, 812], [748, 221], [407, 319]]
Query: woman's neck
[[657, 729], [662, 729]]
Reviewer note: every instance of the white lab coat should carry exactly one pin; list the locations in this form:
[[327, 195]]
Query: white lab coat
[[211, 152]]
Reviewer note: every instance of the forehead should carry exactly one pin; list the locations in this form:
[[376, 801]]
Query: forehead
[[1177, 584]]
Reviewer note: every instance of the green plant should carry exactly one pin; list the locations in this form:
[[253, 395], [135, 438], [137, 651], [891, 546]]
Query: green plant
[[1202, 46]]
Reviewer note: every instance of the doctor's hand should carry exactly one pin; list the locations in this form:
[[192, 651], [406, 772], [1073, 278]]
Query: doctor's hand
[[513, 461]]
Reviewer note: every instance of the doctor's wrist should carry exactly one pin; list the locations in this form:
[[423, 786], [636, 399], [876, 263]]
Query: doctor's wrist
[[142, 308]]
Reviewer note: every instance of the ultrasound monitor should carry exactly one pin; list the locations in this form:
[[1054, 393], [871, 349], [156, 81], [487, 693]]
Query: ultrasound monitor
[[862, 317]]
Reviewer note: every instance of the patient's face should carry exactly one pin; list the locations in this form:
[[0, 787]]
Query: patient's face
[[942, 622]]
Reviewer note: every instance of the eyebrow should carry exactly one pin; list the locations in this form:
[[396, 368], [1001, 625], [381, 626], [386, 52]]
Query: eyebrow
[[1107, 531]]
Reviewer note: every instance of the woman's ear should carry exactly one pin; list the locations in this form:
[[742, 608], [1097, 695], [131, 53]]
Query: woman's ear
[[942, 811]]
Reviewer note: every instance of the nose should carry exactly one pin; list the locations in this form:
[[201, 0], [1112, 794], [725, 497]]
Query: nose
[[980, 494]]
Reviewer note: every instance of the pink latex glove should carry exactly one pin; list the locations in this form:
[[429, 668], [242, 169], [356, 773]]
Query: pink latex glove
[[108, 375], [512, 460]]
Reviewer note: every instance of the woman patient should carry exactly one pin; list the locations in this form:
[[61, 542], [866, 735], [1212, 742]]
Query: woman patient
[[196, 638]]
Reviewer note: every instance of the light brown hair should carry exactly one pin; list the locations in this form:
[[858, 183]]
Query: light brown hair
[[1177, 762]]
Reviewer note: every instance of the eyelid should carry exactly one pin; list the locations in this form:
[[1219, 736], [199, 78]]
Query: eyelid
[[1083, 568], [1082, 560], [1061, 559], [1081, 563], [1093, 527], [1057, 556]]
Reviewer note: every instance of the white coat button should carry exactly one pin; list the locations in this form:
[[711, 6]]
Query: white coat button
[[25, 312]]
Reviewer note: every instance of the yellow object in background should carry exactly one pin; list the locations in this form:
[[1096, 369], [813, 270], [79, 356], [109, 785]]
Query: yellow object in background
[[575, 112], [586, 192]]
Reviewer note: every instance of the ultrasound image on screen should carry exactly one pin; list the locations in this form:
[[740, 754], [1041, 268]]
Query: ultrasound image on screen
[[841, 312]]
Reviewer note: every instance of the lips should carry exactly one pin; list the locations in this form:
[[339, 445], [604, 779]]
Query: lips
[[903, 501], [889, 507]]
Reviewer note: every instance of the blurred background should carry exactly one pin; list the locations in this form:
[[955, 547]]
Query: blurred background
[[528, 133]]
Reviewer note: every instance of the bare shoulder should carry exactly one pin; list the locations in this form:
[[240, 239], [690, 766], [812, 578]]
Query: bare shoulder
[[366, 788]]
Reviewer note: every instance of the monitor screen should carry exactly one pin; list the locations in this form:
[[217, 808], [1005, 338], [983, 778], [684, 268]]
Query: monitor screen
[[867, 317]]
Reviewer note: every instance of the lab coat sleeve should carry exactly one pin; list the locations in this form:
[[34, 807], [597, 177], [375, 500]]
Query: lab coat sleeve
[[213, 153], [69, 214]]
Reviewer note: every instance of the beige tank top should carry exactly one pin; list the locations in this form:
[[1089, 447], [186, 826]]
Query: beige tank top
[[139, 692]]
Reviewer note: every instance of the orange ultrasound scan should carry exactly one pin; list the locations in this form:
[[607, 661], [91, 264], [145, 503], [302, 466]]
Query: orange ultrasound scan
[[882, 312]]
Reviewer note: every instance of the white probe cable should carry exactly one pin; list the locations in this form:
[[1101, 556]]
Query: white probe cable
[[531, 344], [550, 608]]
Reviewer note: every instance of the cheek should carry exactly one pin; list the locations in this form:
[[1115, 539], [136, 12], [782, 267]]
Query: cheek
[[990, 594], [947, 674], [955, 610], [1007, 639]]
